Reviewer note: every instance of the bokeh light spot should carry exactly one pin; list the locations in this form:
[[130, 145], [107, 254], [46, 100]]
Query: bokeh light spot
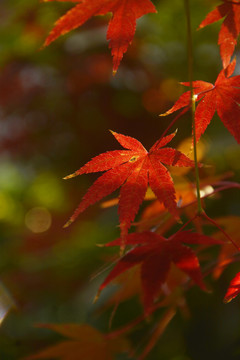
[[38, 219]]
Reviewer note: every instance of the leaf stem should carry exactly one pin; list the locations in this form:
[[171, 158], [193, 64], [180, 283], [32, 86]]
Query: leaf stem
[[193, 106], [182, 227], [204, 215]]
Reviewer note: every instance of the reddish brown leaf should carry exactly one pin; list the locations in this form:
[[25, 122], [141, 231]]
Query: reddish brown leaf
[[223, 97], [154, 271], [186, 260], [133, 169], [121, 27], [155, 254], [230, 29], [189, 238], [233, 290]]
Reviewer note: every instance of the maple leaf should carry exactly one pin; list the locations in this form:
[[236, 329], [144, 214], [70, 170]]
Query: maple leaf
[[223, 97], [121, 27], [233, 289], [133, 169], [155, 254], [230, 28], [84, 342], [228, 253]]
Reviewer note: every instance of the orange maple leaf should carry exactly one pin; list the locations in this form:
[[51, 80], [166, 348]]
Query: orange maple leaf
[[83, 342], [121, 27], [155, 254]]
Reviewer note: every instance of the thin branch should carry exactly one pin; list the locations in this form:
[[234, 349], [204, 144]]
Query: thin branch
[[193, 106]]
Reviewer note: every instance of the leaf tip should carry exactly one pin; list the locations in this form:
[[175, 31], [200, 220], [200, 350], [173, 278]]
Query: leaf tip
[[113, 133], [70, 176], [165, 114], [45, 44], [227, 300], [97, 296], [68, 223], [42, 47]]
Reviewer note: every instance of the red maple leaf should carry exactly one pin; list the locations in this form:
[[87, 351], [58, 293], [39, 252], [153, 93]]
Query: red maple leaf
[[133, 169], [223, 97], [230, 28], [233, 290], [121, 27], [155, 254]]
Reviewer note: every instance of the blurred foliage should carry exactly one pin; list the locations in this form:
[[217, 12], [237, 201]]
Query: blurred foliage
[[56, 106]]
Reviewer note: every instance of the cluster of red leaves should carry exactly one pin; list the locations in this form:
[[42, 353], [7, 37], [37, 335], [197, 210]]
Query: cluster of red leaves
[[122, 25], [134, 169]]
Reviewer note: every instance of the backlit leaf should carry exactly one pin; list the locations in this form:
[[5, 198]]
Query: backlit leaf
[[121, 27], [133, 169]]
